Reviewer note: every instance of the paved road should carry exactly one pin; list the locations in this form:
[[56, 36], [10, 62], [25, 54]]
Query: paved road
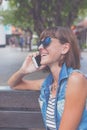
[[12, 58]]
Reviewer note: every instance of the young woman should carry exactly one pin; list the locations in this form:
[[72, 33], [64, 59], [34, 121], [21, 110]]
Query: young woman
[[64, 91]]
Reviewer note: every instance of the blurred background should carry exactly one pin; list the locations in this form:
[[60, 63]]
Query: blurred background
[[30, 17]]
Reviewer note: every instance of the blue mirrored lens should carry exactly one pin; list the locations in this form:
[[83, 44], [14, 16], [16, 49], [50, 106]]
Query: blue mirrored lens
[[45, 42]]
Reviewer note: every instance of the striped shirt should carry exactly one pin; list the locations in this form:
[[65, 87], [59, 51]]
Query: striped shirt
[[50, 118]]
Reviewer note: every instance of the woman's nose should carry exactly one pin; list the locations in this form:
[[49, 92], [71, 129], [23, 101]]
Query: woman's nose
[[40, 47]]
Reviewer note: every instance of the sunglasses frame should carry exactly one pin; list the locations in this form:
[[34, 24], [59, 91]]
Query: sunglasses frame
[[46, 42]]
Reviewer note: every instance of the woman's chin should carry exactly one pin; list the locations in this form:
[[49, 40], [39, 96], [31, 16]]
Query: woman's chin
[[44, 63]]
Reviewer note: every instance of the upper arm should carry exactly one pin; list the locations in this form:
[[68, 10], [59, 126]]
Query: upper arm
[[76, 94], [30, 84]]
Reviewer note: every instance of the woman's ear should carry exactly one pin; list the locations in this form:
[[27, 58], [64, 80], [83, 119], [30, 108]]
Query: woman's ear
[[65, 48]]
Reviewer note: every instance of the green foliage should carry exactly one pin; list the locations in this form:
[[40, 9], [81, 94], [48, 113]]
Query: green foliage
[[38, 14]]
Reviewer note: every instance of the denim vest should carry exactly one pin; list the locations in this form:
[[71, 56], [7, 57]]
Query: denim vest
[[60, 97]]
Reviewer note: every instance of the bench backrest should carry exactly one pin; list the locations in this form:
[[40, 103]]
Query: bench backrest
[[19, 109]]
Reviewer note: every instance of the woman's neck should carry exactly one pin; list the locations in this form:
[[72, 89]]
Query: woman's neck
[[55, 70]]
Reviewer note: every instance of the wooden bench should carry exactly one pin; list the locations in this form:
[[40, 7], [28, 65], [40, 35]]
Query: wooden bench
[[19, 110]]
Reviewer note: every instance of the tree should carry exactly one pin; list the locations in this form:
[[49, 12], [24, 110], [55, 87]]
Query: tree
[[39, 14]]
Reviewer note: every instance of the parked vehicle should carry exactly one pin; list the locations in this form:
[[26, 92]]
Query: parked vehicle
[[2, 36]]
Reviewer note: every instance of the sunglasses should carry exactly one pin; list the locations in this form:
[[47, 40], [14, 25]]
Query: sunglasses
[[46, 42]]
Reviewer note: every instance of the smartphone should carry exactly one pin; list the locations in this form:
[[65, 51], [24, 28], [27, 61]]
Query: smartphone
[[37, 61]]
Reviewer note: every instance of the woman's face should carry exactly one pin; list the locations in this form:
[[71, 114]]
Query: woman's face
[[51, 54]]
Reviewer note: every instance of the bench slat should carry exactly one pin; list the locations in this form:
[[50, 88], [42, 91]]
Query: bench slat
[[21, 119], [19, 99]]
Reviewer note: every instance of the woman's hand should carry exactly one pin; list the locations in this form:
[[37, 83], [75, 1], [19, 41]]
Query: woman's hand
[[29, 66]]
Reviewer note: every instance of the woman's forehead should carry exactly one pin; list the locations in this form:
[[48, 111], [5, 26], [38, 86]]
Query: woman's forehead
[[52, 34], [45, 36]]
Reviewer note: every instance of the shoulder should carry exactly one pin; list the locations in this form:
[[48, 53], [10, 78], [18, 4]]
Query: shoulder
[[77, 84], [77, 76]]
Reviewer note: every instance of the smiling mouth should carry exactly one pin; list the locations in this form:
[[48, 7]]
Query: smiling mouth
[[43, 55]]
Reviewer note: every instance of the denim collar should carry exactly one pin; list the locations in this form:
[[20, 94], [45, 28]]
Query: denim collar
[[64, 73]]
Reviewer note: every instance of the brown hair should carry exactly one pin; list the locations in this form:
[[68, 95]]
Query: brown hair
[[65, 35]]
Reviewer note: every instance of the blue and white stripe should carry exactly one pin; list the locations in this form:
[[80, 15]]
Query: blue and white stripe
[[50, 118]]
